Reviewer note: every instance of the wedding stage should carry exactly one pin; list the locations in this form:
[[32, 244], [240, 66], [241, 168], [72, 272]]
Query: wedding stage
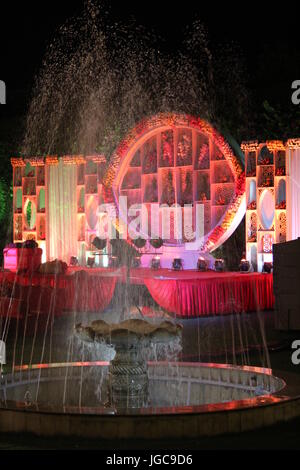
[[173, 184], [186, 294]]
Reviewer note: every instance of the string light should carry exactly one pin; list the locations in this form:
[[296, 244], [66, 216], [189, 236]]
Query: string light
[[96, 158], [68, 160], [17, 162], [249, 145], [51, 160], [293, 143], [274, 145]]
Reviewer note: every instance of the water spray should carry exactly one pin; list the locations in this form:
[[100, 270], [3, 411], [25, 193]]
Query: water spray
[[2, 356]]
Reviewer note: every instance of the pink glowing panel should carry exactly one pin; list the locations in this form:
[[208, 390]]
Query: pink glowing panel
[[29, 214], [92, 211], [18, 258], [10, 259], [267, 209]]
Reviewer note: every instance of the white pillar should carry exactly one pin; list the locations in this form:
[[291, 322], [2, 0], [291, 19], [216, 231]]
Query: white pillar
[[293, 193]]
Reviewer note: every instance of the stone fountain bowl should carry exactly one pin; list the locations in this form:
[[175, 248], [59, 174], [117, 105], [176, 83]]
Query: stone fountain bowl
[[133, 329]]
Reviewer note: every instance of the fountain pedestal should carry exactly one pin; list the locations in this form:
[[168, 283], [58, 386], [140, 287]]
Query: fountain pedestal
[[128, 376]]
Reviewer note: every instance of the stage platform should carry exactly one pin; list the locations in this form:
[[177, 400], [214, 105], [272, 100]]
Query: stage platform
[[182, 293]]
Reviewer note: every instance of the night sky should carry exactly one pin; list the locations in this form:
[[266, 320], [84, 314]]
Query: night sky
[[267, 39]]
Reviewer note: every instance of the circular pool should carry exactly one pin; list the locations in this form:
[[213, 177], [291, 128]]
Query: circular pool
[[187, 400]]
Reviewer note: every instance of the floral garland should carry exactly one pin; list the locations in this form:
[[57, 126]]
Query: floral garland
[[249, 145], [293, 143], [17, 162]]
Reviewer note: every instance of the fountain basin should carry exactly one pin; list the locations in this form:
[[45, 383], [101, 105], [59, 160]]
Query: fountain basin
[[133, 340], [191, 400]]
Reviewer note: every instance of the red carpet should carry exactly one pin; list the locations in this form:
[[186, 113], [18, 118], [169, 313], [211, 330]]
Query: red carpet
[[184, 293]]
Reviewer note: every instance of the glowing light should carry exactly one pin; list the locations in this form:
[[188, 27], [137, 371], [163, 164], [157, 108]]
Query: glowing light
[[79, 159], [68, 160], [249, 145], [293, 143], [55, 365], [17, 162], [35, 161], [42, 245], [96, 158], [51, 160], [275, 145], [105, 261]]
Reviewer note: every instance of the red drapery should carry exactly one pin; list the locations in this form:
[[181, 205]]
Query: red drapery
[[89, 293], [187, 294], [213, 294], [46, 293]]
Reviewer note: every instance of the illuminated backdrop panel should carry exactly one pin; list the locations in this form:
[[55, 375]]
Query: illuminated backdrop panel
[[167, 159]]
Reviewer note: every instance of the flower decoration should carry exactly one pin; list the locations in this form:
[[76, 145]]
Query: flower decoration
[[252, 238], [280, 171], [251, 206], [17, 162], [281, 205], [203, 158]]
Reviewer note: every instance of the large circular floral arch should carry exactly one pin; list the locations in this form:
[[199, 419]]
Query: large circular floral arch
[[147, 128]]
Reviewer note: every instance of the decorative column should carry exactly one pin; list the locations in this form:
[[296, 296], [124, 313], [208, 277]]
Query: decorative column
[[61, 206], [50, 160], [250, 150], [293, 188], [18, 165], [29, 200], [266, 199]]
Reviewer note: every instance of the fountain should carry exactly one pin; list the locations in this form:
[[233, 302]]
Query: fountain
[[128, 372], [125, 379]]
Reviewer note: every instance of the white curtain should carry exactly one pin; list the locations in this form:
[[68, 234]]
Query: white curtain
[[61, 212], [293, 194]]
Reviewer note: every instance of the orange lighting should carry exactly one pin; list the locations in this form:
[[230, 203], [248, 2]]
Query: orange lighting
[[293, 143], [275, 145], [35, 161], [249, 145], [96, 158], [17, 162], [69, 160], [51, 160]]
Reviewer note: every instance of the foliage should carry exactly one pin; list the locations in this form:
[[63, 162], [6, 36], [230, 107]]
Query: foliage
[[278, 122], [124, 251], [232, 250], [5, 213]]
